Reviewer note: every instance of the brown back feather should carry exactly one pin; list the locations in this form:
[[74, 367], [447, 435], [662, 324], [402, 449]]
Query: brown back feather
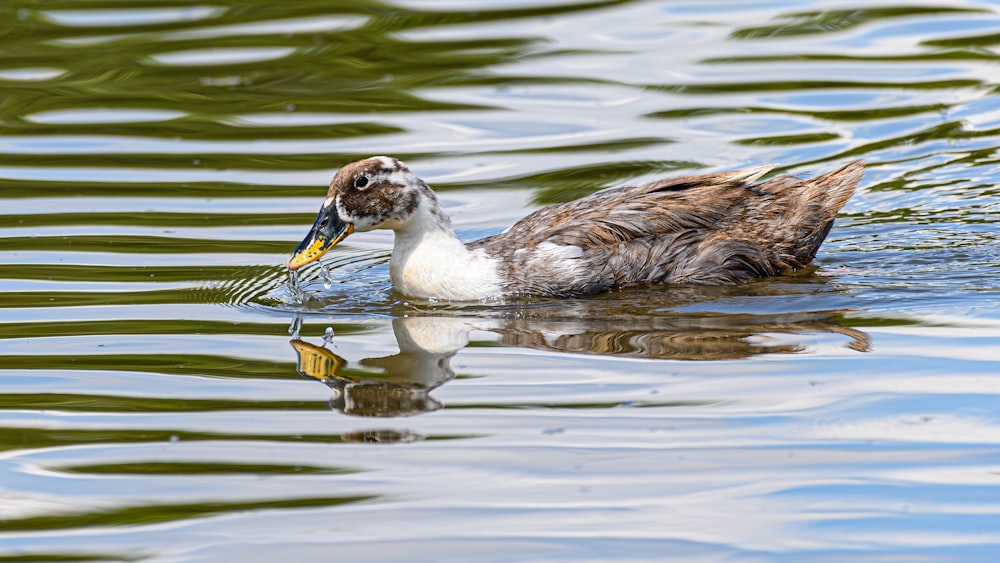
[[711, 228]]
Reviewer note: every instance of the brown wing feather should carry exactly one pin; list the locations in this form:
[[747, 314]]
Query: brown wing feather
[[626, 213]]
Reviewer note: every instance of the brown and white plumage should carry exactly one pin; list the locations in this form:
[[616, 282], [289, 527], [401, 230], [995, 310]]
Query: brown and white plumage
[[706, 229]]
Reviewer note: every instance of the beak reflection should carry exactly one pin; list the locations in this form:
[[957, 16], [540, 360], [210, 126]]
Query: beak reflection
[[326, 232]]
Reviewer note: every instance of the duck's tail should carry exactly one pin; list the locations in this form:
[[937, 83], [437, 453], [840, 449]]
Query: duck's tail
[[820, 201], [831, 191]]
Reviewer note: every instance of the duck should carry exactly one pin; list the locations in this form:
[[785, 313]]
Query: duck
[[719, 228]]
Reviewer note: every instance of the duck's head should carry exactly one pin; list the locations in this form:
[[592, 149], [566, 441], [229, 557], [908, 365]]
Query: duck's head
[[376, 193]]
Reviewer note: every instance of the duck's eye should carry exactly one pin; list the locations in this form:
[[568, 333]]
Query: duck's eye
[[361, 181]]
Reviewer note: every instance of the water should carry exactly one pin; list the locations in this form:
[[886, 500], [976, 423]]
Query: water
[[166, 395]]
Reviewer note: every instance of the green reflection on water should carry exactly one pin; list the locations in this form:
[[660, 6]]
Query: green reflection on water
[[55, 557], [798, 139], [208, 129], [364, 58], [865, 114], [158, 513], [154, 219], [34, 438], [43, 299], [164, 326], [800, 85], [569, 184], [138, 273], [16, 188], [828, 21], [136, 244], [106, 403], [167, 364], [203, 468]]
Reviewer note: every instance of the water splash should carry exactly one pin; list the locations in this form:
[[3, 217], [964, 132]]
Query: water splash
[[294, 287]]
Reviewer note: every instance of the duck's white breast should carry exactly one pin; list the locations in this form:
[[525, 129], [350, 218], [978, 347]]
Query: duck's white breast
[[440, 267]]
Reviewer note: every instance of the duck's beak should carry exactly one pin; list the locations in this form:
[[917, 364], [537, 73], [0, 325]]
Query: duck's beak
[[327, 231]]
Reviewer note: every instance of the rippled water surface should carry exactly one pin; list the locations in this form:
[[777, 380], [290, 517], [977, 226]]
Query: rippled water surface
[[164, 397]]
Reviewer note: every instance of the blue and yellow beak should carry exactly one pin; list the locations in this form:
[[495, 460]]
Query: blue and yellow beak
[[326, 232]]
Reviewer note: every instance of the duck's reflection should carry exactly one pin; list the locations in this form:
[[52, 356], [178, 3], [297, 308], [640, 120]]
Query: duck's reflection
[[400, 384], [723, 337]]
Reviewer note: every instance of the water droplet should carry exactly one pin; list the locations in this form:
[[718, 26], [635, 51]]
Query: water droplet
[[295, 328], [327, 276]]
